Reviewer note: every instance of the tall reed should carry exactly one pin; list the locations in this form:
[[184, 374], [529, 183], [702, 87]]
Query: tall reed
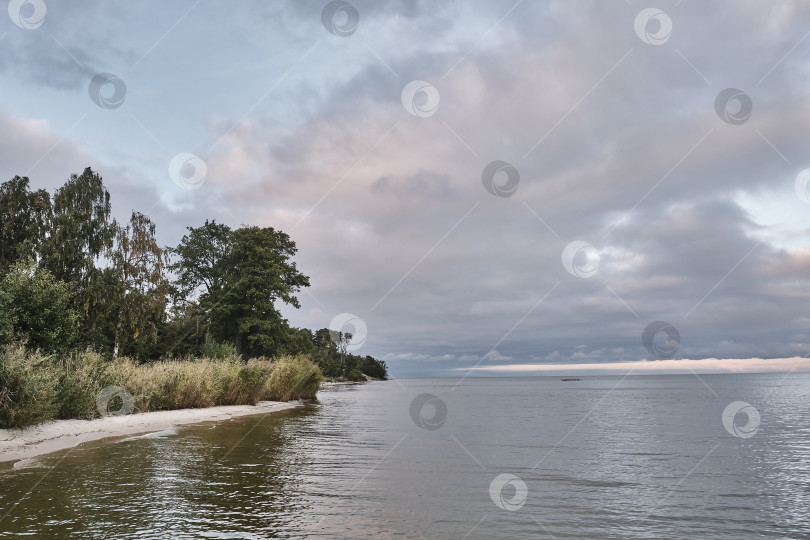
[[35, 388]]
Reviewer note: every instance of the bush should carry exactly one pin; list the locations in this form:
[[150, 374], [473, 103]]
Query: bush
[[35, 309], [36, 388], [293, 377], [81, 377], [217, 351], [28, 384]]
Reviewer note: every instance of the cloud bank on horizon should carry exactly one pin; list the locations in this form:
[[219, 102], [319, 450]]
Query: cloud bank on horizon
[[483, 184]]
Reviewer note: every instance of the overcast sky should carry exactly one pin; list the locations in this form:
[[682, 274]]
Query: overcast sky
[[476, 184]]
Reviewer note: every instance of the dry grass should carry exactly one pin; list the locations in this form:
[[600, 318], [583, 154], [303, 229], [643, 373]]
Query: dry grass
[[35, 388]]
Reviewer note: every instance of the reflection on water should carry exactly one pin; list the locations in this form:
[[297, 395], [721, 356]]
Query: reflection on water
[[641, 457]]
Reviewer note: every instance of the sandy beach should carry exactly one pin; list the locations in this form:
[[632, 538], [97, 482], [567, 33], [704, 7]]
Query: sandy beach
[[19, 445]]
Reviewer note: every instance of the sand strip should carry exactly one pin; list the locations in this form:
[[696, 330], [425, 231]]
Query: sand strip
[[20, 444]]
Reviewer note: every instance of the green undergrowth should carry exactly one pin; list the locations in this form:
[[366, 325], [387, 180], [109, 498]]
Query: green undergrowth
[[36, 388]]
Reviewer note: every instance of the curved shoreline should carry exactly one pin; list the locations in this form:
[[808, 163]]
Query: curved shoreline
[[23, 444]]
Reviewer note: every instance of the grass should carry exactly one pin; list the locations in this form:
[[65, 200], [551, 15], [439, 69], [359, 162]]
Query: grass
[[35, 388]]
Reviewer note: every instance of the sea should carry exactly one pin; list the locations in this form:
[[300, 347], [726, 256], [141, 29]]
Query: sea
[[637, 457]]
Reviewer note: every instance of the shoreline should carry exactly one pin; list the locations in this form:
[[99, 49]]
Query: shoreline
[[21, 445]]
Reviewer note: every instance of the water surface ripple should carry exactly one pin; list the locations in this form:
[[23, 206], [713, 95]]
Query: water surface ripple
[[610, 457]]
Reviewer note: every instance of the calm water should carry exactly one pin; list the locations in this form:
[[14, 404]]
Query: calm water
[[640, 457]]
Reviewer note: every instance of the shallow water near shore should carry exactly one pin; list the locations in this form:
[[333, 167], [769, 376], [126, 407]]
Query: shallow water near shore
[[607, 457]]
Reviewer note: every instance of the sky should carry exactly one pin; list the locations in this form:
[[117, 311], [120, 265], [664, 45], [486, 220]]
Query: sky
[[475, 188]]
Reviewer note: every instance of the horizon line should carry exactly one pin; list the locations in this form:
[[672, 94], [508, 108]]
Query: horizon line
[[686, 365]]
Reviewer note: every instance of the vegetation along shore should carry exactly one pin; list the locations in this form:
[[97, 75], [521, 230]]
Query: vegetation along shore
[[96, 317]]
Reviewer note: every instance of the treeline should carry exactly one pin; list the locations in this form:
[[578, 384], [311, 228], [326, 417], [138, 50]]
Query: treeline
[[74, 279]]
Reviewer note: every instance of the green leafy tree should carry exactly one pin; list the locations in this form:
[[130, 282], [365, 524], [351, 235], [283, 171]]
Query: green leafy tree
[[374, 368], [258, 272], [98, 308], [139, 264], [35, 309], [24, 220], [200, 270], [300, 341], [199, 265], [81, 232], [81, 228]]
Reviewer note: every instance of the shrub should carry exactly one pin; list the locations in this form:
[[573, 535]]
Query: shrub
[[293, 377], [217, 351], [35, 309], [28, 384], [81, 377], [35, 388]]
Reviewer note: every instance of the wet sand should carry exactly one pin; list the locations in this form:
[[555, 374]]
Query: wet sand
[[23, 444]]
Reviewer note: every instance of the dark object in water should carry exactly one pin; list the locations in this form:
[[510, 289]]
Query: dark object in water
[[570, 379]]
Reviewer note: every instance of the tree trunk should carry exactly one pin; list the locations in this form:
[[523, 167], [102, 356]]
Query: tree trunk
[[118, 330]]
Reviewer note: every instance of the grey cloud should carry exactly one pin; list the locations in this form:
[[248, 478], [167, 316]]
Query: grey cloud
[[394, 225]]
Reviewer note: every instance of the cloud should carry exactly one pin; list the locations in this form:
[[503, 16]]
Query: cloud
[[495, 356], [617, 143], [643, 169]]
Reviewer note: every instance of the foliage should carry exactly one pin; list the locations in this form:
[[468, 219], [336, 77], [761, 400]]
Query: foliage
[[24, 220], [294, 377], [81, 377], [217, 351], [81, 229], [200, 261], [73, 280], [35, 309], [98, 309], [35, 388], [27, 388], [329, 350], [260, 273], [139, 265]]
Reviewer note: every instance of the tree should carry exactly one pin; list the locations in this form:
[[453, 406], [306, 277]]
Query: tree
[[374, 368], [81, 229], [199, 267], [257, 272], [323, 339], [24, 220], [98, 308], [342, 341], [138, 263], [35, 309], [300, 341]]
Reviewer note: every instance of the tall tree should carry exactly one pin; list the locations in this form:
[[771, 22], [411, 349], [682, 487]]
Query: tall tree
[[24, 220], [258, 272], [139, 264], [199, 264], [81, 228]]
